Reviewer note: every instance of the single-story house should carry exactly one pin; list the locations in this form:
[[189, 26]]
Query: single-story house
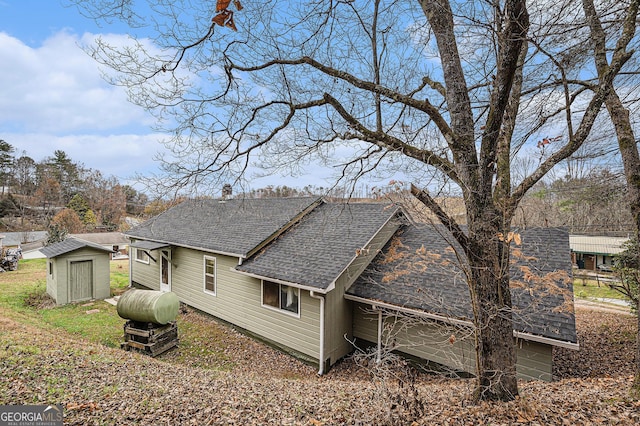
[[312, 277], [77, 270], [117, 242], [595, 252]]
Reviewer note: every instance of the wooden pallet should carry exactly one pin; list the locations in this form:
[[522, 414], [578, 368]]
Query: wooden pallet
[[149, 338]]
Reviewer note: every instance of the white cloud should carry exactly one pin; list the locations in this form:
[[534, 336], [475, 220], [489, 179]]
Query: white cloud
[[57, 88], [54, 98], [121, 155]]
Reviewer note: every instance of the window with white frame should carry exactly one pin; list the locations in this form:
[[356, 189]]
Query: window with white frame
[[280, 296], [142, 256], [210, 275]]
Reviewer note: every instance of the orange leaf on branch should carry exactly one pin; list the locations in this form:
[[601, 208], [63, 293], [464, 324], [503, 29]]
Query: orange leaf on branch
[[220, 18], [230, 24], [222, 5]]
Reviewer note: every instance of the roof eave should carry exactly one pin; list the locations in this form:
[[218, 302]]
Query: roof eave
[[459, 322], [203, 249], [546, 340], [412, 311], [284, 282]]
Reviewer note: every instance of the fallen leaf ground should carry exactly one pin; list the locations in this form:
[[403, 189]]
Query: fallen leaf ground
[[258, 385]]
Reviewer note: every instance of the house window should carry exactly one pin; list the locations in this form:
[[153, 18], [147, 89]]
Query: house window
[[210, 275], [142, 256], [280, 296], [51, 268]]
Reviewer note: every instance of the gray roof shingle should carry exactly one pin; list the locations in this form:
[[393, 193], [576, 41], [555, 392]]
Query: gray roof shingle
[[418, 269], [316, 250], [232, 227], [69, 245]]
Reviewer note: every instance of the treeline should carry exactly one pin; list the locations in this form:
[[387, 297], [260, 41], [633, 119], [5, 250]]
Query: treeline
[[595, 203], [59, 191]]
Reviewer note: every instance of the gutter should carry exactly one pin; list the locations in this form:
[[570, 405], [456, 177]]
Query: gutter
[[203, 249], [546, 340], [380, 323], [321, 350], [416, 312], [289, 283]]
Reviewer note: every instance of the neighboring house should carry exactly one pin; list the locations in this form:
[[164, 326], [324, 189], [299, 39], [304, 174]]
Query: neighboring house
[[19, 239], [298, 273], [77, 270], [595, 253], [117, 242], [29, 242]]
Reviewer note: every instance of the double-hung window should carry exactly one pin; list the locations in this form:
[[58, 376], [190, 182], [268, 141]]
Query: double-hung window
[[280, 296], [142, 256], [210, 275]]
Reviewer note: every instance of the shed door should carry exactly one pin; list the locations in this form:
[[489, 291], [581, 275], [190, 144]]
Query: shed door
[[80, 280]]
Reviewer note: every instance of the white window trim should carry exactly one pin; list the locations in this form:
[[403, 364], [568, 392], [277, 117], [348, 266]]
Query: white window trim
[[139, 260], [280, 310], [215, 275]]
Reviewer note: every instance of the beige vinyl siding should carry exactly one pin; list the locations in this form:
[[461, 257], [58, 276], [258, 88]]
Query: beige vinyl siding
[[429, 340], [147, 275], [338, 319], [238, 301], [432, 341], [535, 360]]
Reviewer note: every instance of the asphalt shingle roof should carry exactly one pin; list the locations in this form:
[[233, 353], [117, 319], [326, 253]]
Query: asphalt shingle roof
[[418, 269], [232, 227], [69, 245], [315, 251]]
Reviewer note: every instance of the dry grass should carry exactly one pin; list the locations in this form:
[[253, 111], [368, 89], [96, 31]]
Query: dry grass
[[100, 385]]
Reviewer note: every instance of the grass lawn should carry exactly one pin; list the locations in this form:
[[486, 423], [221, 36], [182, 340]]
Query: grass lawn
[[592, 289], [23, 298]]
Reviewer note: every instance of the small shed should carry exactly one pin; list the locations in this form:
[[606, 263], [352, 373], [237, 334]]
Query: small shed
[[77, 270]]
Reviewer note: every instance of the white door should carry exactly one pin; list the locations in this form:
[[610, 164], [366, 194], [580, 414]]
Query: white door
[[165, 270]]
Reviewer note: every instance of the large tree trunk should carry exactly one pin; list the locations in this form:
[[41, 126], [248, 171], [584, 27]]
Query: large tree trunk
[[488, 256], [631, 161]]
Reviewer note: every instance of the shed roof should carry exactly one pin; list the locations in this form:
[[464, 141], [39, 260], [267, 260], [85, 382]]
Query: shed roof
[[597, 245], [418, 269], [234, 227], [69, 245], [315, 251]]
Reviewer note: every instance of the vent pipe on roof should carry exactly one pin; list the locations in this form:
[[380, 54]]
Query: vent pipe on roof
[[227, 191]]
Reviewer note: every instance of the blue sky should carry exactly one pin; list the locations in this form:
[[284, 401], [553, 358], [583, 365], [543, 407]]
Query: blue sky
[[53, 96]]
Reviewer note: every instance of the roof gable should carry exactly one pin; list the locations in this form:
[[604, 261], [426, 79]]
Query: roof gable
[[235, 227], [419, 269], [315, 251], [69, 245]]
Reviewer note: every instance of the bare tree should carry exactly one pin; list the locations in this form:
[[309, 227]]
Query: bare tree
[[619, 115], [432, 88]]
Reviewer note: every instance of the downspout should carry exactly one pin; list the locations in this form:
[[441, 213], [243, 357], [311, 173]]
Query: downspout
[[130, 267], [314, 295], [379, 349]]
